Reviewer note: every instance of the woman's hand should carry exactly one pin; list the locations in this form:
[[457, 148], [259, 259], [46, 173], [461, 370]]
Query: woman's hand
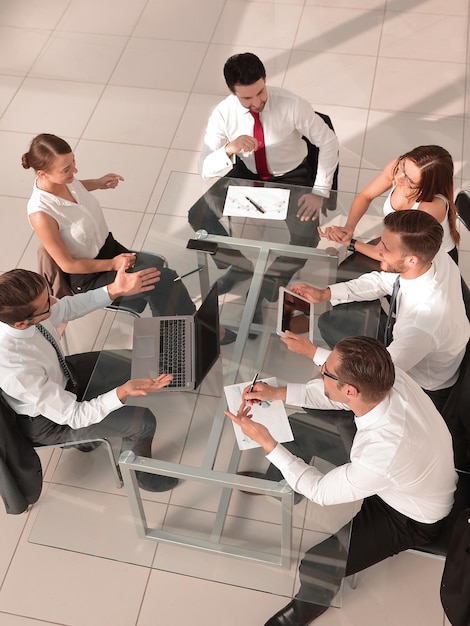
[[108, 181], [125, 260], [339, 234]]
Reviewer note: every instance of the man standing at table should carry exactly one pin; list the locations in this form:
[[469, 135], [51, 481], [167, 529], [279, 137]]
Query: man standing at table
[[401, 464], [47, 391], [431, 331], [256, 133]]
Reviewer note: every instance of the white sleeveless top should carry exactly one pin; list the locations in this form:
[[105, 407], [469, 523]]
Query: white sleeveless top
[[448, 243], [81, 225]]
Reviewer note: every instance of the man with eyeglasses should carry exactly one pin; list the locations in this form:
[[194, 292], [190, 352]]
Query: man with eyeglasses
[[401, 465], [430, 330], [49, 392]]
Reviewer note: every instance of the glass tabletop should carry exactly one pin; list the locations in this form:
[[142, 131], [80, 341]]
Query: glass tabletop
[[211, 525]]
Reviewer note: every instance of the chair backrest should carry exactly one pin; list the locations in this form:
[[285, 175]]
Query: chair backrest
[[462, 203], [312, 158]]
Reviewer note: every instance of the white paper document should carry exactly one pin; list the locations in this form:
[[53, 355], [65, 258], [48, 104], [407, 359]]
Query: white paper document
[[261, 203], [271, 414]]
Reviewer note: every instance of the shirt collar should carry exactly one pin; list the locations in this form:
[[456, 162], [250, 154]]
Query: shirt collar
[[421, 282], [374, 415], [16, 332]]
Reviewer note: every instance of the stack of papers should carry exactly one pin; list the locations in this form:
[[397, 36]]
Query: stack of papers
[[271, 414], [261, 203]]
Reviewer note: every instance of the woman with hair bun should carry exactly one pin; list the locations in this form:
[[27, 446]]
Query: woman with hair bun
[[70, 224]]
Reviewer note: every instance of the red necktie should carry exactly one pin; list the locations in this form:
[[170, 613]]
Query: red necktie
[[260, 154]]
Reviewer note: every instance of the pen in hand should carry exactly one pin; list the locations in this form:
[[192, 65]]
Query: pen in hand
[[198, 269], [257, 206]]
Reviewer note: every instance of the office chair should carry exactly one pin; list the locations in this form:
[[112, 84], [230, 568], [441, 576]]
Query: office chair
[[462, 203]]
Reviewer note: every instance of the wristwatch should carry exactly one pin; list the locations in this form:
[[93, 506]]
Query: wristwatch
[[352, 245]]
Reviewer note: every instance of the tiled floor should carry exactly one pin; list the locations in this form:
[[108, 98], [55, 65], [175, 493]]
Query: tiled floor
[[130, 83]]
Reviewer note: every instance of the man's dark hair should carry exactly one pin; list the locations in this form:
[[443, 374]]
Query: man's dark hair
[[18, 290], [367, 365], [420, 233], [243, 69]]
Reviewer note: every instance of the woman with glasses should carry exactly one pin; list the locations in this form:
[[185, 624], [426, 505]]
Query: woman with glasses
[[419, 179]]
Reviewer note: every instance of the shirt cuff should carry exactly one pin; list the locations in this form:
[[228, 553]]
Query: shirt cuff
[[296, 394], [102, 296], [320, 356], [111, 401], [280, 457], [339, 293], [321, 190]]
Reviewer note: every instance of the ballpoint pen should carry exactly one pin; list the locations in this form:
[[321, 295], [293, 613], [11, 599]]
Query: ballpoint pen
[[253, 383], [256, 205], [198, 269]]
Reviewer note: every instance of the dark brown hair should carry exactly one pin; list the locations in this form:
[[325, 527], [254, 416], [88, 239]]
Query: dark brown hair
[[367, 365], [437, 177], [18, 290], [243, 69], [43, 150], [420, 233]]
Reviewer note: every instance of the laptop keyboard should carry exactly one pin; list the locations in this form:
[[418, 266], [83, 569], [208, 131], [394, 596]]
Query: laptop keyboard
[[173, 350]]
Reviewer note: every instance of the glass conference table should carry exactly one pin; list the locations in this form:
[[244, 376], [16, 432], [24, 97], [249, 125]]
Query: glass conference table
[[216, 524]]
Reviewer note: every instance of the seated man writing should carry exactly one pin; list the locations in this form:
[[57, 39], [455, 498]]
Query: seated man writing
[[401, 465], [431, 331], [47, 391]]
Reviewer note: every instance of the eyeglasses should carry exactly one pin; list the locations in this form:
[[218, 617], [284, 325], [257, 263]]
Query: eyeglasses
[[326, 373], [31, 317], [409, 183]]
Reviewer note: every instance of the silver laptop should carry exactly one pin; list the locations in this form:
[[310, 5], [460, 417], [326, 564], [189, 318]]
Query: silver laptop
[[186, 346]]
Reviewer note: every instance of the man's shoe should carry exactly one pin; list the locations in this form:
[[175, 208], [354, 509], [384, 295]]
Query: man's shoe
[[155, 482], [231, 277], [298, 497], [296, 613], [87, 447], [229, 337]]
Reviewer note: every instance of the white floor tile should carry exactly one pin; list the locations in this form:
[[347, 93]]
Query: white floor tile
[[414, 36], [396, 87], [119, 115], [111, 17], [240, 24], [19, 49], [83, 57], [175, 64], [349, 31], [63, 107], [163, 20], [327, 78]]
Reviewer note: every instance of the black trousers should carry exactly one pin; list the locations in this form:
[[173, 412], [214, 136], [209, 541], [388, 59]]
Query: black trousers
[[207, 212], [378, 531], [168, 297], [135, 425]]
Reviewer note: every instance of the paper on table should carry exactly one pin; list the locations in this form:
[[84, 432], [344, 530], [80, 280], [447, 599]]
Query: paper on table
[[271, 414], [273, 202]]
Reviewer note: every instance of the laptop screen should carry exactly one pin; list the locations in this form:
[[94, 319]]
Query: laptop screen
[[207, 339]]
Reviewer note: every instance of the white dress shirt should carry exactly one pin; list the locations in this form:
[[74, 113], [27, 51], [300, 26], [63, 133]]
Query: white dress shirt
[[82, 226], [431, 330], [285, 118], [31, 378], [402, 452]]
